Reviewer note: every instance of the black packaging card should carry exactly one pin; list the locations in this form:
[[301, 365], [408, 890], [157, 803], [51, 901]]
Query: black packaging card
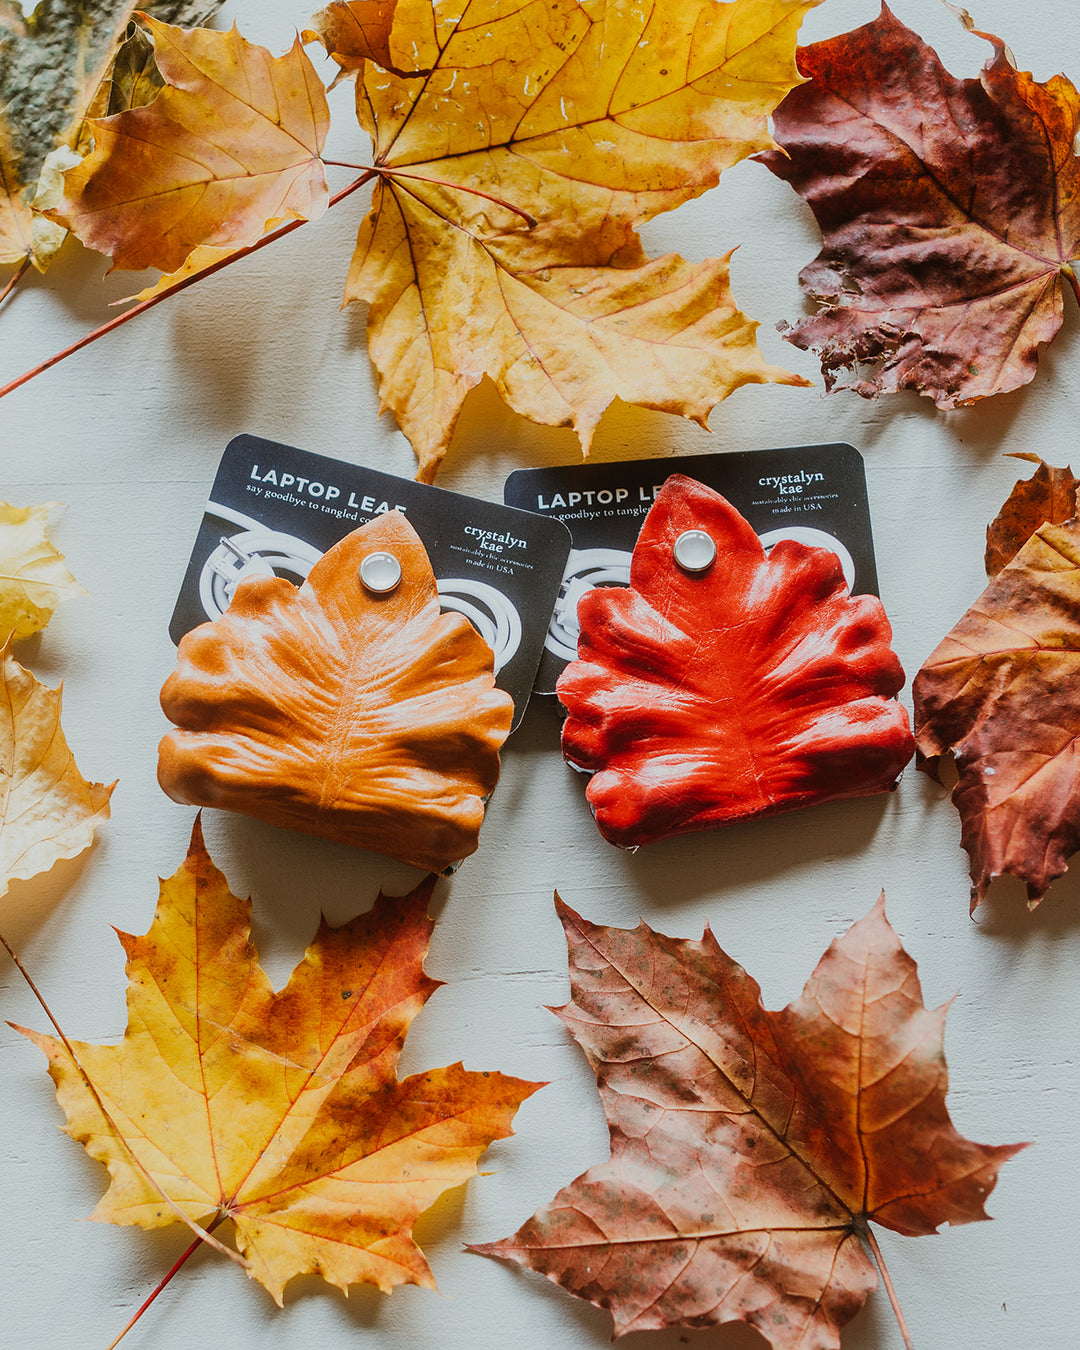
[[813, 493], [276, 509]]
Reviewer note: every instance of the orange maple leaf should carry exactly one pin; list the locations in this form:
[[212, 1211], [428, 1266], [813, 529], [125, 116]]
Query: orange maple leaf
[[280, 1111], [751, 1149], [229, 146]]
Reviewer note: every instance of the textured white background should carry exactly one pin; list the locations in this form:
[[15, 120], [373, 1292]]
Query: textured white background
[[129, 432]]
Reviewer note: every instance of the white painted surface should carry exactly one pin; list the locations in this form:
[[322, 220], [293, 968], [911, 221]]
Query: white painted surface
[[129, 433]]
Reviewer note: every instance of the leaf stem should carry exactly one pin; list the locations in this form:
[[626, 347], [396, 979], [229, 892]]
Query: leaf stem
[[531, 221], [129, 314], [163, 1283], [15, 278], [202, 1234], [871, 1241]]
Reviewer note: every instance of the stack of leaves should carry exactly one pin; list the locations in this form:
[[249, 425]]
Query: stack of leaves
[[58, 66], [1001, 693], [282, 1111], [749, 1149], [950, 211], [517, 149], [760, 685]]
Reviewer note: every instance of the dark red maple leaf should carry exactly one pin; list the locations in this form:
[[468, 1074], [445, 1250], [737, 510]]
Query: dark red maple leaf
[[757, 686], [750, 1149], [950, 211]]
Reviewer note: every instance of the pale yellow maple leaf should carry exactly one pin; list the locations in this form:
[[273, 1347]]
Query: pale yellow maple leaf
[[513, 175], [33, 577], [48, 811]]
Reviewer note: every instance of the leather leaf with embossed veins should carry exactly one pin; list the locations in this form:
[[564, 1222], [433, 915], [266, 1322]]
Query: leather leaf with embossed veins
[[758, 686], [370, 719], [749, 1149]]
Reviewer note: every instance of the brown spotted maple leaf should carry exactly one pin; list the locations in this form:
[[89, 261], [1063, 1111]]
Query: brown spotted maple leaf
[[751, 1150], [280, 1112], [950, 211]]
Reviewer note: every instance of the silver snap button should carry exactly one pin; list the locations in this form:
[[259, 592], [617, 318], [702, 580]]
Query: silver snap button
[[380, 573], [694, 551]]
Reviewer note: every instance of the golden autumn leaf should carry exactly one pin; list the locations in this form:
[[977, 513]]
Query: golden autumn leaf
[[56, 68], [280, 1111], [371, 719], [33, 578], [231, 143], [512, 177], [48, 811], [1048, 497]]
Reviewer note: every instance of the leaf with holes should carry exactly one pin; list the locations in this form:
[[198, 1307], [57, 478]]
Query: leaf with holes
[[750, 1150], [950, 211]]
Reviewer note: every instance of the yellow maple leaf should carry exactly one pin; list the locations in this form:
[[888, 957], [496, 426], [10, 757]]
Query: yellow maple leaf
[[33, 578], [164, 179], [280, 1111], [48, 811], [511, 180]]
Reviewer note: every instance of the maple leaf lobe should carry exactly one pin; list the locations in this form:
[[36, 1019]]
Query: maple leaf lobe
[[950, 210], [730, 1194]]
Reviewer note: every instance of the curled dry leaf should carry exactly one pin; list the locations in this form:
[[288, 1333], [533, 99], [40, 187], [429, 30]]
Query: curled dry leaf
[[757, 686], [749, 1149], [33, 577], [512, 177], [280, 1111], [1001, 693], [56, 68], [231, 144], [370, 719], [950, 211], [355, 31], [1048, 497], [48, 811]]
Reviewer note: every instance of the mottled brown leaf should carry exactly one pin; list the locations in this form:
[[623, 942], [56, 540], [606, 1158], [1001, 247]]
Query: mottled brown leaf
[[950, 211], [749, 1149], [1048, 497], [1001, 693]]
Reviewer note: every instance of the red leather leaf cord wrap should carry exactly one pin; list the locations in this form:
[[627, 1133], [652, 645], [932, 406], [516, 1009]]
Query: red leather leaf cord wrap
[[756, 687]]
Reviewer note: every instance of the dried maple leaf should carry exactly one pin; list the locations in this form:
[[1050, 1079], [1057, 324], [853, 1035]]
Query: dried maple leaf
[[757, 686], [231, 144], [1048, 497], [511, 179], [1002, 693], [370, 719], [33, 578], [55, 64], [950, 211], [280, 1111], [355, 31], [751, 1149], [48, 811]]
